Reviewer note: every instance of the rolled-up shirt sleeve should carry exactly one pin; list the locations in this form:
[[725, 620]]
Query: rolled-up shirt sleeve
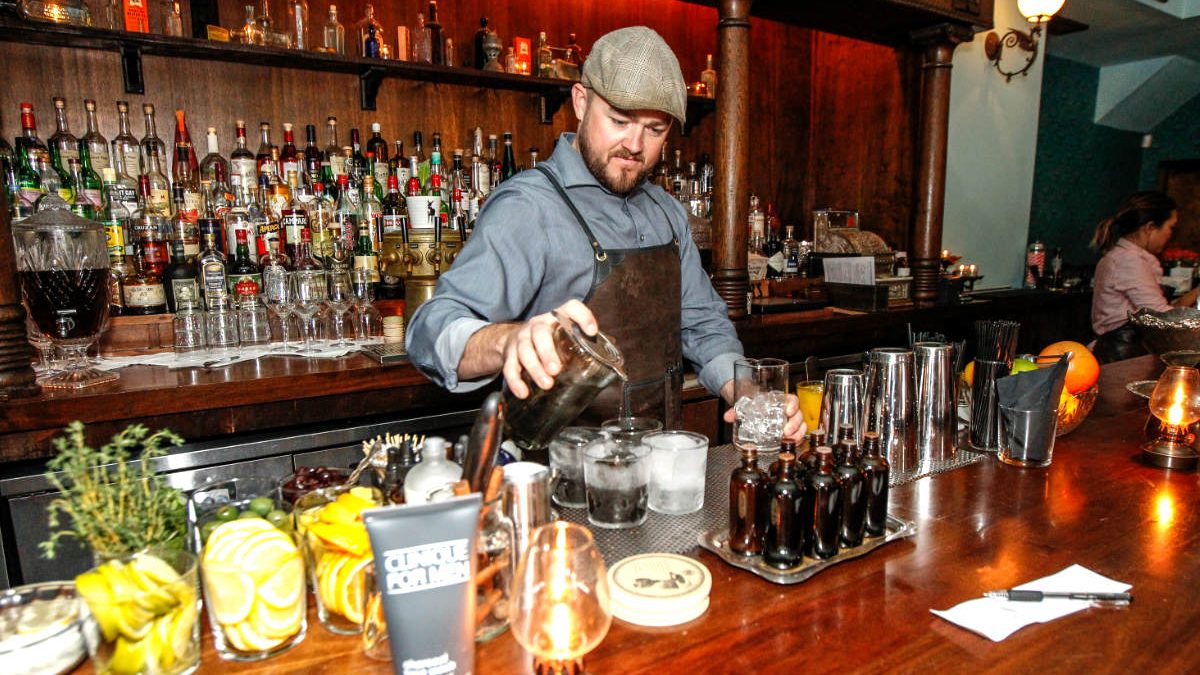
[[493, 280]]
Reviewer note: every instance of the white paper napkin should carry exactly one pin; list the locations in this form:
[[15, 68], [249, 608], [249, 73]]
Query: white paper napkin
[[201, 358], [997, 618]]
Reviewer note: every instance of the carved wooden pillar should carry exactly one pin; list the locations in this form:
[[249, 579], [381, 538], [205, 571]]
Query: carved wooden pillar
[[938, 43], [16, 375], [731, 191]]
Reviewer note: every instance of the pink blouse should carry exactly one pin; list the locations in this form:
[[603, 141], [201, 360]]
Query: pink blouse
[[1126, 280]]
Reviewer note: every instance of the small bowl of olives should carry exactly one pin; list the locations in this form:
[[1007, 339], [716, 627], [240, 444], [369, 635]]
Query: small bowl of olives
[[219, 502], [307, 478]]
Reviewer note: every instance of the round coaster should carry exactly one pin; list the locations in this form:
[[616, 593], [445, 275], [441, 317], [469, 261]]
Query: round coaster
[[659, 589]]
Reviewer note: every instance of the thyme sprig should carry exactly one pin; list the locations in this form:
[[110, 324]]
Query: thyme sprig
[[106, 502]]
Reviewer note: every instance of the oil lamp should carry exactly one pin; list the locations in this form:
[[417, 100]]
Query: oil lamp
[[562, 600], [1176, 404]]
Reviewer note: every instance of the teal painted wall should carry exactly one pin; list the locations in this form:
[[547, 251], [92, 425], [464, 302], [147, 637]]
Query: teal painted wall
[[1177, 137], [1083, 170]]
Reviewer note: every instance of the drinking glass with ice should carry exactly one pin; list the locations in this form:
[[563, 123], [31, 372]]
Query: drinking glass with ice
[[760, 389]]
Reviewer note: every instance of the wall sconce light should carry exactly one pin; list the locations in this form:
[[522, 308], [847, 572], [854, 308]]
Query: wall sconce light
[[1036, 12]]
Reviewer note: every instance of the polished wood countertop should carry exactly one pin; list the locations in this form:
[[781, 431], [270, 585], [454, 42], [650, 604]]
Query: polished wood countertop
[[987, 526]]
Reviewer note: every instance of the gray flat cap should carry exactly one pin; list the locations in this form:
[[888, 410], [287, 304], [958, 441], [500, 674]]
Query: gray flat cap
[[634, 69]]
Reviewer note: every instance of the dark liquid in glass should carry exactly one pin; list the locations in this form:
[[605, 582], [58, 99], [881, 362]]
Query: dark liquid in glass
[[827, 507], [854, 502], [875, 470], [747, 502], [785, 502], [614, 507], [67, 304]]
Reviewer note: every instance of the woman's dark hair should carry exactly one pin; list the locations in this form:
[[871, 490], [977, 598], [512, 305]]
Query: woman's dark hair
[[1140, 208]]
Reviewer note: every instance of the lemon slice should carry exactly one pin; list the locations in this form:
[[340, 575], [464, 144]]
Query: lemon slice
[[327, 583], [355, 503], [183, 632], [253, 641], [338, 513], [349, 538], [118, 581], [350, 589], [96, 592], [159, 641], [229, 591], [284, 588], [266, 554], [129, 656], [276, 624], [229, 536], [132, 621], [364, 493]]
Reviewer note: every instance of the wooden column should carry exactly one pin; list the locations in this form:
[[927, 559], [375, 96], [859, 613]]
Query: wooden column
[[732, 156], [16, 374], [938, 43]]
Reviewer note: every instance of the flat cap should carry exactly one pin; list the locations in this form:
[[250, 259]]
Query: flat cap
[[634, 69]]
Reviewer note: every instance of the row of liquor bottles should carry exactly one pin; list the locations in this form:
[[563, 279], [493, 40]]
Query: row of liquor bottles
[[811, 505], [773, 250]]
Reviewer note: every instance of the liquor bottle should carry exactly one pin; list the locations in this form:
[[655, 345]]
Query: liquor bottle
[[211, 262], [379, 146], [371, 44], [189, 188], [364, 253], [151, 141], [184, 228], [150, 227], [662, 171], [297, 24], [362, 31], [747, 497], [394, 208], [80, 205], [88, 185], [344, 226], [459, 195], [143, 290], [266, 219], [279, 192], [422, 47], [353, 186], [677, 177], [304, 260], [244, 277], [543, 64], [243, 168], [827, 506], [212, 162], [63, 145], [262, 158], [708, 77], [115, 219], [479, 58], [124, 187], [320, 219], [249, 33], [533, 158], [451, 59], [574, 51], [508, 168], [433, 186], [125, 144], [289, 159], [481, 170], [422, 160], [783, 539], [220, 195], [293, 219], [137, 17], [160, 187], [52, 184], [845, 443], [358, 161], [314, 159], [875, 470], [758, 223], [854, 502], [335, 164], [791, 253], [773, 247], [184, 137], [243, 215], [334, 33], [173, 19], [413, 188], [97, 144], [181, 281], [397, 166], [437, 42], [370, 213]]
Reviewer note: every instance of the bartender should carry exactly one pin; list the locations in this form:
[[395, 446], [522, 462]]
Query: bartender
[[585, 238], [1127, 275]]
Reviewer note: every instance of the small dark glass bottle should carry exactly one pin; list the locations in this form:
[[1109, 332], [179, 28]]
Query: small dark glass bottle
[[875, 470], [180, 279], [808, 458], [401, 460], [854, 501], [845, 438], [773, 470], [783, 545], [747, 496], [827, 507]]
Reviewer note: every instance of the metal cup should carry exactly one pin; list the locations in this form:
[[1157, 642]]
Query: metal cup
[[936, 411], [888, 407], [525, 499], [842, 403]]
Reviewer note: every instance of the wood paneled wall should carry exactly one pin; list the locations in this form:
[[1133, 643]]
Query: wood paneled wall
[[832, 118]]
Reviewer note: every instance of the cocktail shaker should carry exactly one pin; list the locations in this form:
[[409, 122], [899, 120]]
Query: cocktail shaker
[[842, 403], [936, 410], [888, 407]]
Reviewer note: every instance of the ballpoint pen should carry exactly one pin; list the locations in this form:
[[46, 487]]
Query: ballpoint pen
[[1038, 596]]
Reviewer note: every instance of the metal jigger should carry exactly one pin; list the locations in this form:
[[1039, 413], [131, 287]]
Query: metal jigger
[[1174, 404]]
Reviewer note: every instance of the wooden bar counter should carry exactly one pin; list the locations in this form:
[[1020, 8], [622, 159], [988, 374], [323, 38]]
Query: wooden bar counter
[[984, 527]]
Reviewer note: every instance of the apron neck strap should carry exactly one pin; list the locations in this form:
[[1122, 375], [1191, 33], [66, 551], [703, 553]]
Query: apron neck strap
[[597, 249]]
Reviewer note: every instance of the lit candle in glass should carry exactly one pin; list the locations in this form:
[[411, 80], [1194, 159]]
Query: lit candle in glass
[[1176, 404]]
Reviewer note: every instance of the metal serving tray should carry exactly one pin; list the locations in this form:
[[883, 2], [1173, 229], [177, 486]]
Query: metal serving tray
[[717, 541]]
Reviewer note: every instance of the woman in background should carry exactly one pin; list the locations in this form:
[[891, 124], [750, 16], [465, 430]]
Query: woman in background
[[1127, 275]]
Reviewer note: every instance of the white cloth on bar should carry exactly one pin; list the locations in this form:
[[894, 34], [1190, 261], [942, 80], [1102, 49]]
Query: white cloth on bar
[[997, 618], [209, 358]]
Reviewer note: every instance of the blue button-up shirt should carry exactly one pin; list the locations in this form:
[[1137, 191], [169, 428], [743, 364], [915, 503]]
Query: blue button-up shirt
[[528, 256]]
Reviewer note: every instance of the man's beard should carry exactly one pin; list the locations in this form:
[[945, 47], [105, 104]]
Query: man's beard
[[597, 163]]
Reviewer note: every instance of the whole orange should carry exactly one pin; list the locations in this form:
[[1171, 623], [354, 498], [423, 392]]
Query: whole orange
[[1082, 371]]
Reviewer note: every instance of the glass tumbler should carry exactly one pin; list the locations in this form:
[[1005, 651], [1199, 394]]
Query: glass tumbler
[[566, 463], [678, 460], [637, 426], [254, 324], [222, 326], [617, 475], [189, 327], [760, 393]]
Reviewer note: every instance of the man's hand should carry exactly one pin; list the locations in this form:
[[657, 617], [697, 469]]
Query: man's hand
[[529, 347], [793, 430]]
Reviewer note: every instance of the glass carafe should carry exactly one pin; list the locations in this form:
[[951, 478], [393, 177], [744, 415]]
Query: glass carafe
[[589, 364], [62, 264]]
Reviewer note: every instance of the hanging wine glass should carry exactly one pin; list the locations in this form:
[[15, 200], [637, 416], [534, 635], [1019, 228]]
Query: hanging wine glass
[[62, 264]]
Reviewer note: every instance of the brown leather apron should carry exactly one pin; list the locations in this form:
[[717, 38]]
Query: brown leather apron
[[637, 300]]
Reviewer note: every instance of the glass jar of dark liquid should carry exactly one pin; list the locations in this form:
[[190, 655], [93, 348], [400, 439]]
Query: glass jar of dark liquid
[[589, 364], [747, 506], [785, 502], [827, 506], [875, 470]]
